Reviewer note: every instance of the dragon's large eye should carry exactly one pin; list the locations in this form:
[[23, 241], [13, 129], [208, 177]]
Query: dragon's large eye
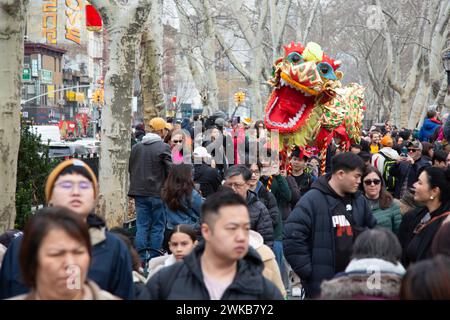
[[326, 71], [295, 58]]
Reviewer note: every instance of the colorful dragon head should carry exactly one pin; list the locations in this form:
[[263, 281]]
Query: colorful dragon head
[[302, 77]]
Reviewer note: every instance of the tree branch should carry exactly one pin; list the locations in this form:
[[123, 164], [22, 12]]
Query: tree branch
[[310, 21], [239, 67]]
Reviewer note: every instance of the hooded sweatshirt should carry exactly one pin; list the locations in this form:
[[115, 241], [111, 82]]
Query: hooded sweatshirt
[[317, 232], [150, 162], [342, 227]]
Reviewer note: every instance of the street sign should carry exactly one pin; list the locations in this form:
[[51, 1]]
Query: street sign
[[46, 76], [34, 68], [26, 75], [25, 114]]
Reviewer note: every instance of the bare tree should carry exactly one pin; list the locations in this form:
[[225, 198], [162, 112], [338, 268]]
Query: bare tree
[[198, 43], [124, 21], [12, 29], [428, 43], [253, 34], [151, 64]]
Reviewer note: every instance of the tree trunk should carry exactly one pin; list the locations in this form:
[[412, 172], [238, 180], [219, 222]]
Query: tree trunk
[[209, 53], [12, 29], [420, 103], [151, 70], [124, 26]]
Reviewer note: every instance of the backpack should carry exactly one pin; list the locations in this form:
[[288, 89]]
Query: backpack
[[389, 179]]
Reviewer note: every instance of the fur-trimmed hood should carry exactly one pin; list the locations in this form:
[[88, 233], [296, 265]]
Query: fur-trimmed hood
[[365, 279]]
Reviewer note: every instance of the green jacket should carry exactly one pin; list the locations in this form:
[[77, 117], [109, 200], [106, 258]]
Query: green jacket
[[280, 189], [388, 218]]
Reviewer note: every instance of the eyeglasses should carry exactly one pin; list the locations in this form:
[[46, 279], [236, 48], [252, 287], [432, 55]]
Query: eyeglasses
[[412, 150], [369, 182], [234, 185], [68, 185], [177, 141], [255, 172]]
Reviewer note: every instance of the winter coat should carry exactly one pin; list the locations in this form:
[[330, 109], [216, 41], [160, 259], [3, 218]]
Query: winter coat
[[188, 283], [353, 283], [110, 266], [295, 192], [208, 178], [260, 219], [268, 199], [190, 214], [271, 269], [388, 218], [150, 162], [405, 170], [309, 238], [91, 292], [280, 189], [417, 247], [157, 263], [428, 128]]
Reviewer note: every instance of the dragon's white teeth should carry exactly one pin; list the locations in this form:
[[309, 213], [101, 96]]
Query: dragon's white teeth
[[307, 94], [292, 121]]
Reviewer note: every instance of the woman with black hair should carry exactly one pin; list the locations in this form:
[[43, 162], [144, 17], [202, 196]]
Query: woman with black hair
[[381, 202], [182, 202], [419, 227], [54, 258]]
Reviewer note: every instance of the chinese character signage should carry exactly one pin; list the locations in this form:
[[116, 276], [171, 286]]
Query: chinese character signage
[[50, 20]]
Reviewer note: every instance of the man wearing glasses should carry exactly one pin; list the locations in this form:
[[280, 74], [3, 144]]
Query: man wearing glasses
[[237, 178], [407, 169]]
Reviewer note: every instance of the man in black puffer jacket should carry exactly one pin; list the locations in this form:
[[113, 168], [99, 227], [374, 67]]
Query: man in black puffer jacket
[[237, 178], [224, 267], [319, 233]]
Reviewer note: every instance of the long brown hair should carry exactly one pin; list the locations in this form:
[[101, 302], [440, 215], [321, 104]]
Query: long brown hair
[[178, 186], [385, 199]]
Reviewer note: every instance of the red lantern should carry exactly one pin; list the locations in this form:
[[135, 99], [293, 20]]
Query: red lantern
[[93, 19]]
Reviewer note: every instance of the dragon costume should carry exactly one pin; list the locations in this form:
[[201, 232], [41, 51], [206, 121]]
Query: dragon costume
[[309, 106]]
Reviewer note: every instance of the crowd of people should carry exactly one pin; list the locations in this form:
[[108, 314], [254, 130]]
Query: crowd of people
[[220, 214]]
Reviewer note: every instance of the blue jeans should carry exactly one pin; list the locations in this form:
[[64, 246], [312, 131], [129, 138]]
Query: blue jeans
[[278, 251], [150, 225]]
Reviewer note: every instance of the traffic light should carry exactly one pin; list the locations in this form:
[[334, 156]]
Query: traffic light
[[239, 97], [98, 96]]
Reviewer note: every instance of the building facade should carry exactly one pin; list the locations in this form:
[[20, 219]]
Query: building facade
[[61, 54]]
